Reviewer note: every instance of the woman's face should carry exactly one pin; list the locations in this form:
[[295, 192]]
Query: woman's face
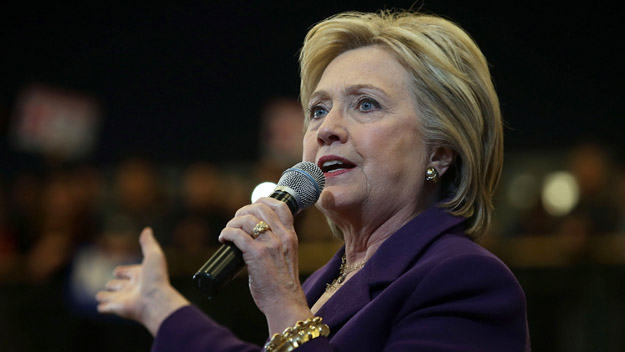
[[364, 135]]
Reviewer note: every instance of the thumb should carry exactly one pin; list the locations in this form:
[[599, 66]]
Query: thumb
[[149, 246]]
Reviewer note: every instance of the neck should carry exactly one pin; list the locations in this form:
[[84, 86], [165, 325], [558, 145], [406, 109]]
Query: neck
[[363, 238], [367, 225]]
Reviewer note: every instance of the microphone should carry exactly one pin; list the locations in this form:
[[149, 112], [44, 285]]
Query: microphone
[[299, 187]]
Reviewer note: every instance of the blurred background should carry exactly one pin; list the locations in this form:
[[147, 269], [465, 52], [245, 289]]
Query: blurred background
[[117, 116]]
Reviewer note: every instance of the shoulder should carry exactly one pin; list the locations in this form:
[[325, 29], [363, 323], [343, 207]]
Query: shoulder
[[455, 263], [452, 248], [458, 285]]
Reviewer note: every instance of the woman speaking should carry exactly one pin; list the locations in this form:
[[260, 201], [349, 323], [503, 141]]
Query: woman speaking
[[403, 119]]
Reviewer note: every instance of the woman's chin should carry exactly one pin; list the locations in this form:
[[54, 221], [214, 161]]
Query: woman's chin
[[336, 202]]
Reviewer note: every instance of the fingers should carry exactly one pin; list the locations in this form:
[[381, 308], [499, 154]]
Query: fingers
[[107, 302], [240, 231], [152, 252], [268, 209], [115, 285], [105, 308], [281, 222], [242, 225], [244, 222], [110, 307], [276, 208], [130, 272], [116, 297], [275, 213], [241, 239], [103, 296], [113, 288]]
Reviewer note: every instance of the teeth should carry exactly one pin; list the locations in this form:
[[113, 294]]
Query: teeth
[[331, 163]]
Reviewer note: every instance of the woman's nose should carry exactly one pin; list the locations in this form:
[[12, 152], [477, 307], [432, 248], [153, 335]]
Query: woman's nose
[[332, 129]]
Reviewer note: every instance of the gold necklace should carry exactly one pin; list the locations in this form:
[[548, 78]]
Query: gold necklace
[[344, 270]]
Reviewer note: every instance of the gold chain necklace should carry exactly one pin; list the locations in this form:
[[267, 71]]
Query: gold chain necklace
[[344, 270]]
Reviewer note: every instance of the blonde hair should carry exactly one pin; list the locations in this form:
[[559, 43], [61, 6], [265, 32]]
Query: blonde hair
[[452, 89]]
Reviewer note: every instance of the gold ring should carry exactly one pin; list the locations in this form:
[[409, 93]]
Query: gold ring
[[259, 228]]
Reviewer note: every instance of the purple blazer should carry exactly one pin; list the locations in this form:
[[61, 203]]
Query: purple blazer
[[428, 287]]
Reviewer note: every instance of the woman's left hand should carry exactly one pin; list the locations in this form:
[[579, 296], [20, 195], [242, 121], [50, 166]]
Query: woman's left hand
[[272, 261], [142, 292]]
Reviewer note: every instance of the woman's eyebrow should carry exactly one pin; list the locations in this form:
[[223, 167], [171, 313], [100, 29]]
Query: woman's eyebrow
[[351, 90], [358, 87], [320, 94]]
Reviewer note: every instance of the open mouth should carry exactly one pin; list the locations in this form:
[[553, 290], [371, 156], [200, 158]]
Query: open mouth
[[334, 164]]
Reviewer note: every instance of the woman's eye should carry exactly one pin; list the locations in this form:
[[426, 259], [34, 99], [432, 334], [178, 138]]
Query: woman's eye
[[367, 104], [317, 112]]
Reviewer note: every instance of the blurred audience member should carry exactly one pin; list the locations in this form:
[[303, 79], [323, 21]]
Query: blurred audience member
[[620, 200], [596, 212], [203, 213], [281, 134], [25, 212], [87, 188], [8, 238], [138, 200], [534, 221], [53, 248], [593, 171]]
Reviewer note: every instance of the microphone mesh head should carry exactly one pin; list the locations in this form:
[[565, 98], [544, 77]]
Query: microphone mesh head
[[307, 180]]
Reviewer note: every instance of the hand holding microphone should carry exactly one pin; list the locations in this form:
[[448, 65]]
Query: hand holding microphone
[[299, 187]]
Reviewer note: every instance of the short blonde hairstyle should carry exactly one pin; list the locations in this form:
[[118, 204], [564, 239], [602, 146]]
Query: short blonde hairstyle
[[452, 88]]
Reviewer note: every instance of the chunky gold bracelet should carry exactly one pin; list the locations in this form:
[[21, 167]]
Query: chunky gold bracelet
[[295, 336]]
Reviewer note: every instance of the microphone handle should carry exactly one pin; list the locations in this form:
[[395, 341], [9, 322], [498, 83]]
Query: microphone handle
[[228, 260], [219, 269]]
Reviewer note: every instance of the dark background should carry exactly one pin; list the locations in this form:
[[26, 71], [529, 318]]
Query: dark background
[[187, 82], [184, 82]]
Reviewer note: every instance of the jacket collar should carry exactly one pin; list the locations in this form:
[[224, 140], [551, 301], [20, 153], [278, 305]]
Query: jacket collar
[[393, 258]]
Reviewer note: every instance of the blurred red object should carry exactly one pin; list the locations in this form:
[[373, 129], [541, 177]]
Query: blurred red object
[[55, 122]]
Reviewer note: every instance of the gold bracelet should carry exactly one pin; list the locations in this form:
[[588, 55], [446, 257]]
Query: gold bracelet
[[295, 336]]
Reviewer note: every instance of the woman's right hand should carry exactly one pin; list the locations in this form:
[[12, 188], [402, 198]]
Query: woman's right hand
[[142, 292], [272, 261]]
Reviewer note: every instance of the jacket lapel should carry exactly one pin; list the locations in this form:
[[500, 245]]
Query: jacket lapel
[[399, 252], [393, 258]]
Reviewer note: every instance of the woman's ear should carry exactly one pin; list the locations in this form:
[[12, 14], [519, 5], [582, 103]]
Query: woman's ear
[[441, 158]]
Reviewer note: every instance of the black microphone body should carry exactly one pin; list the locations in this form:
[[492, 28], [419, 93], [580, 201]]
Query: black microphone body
[[299, 187]]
